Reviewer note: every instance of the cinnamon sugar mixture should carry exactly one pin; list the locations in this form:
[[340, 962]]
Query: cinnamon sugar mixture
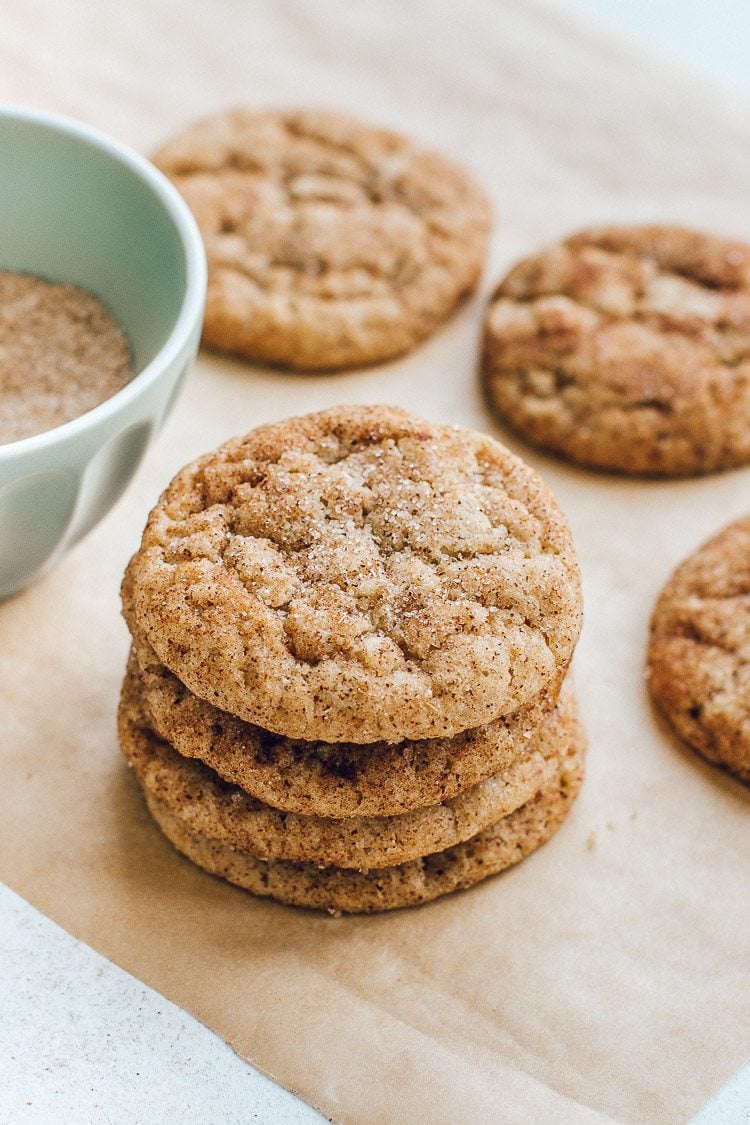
[[61, 353]]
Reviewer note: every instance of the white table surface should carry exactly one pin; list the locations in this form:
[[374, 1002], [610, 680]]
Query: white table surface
[[81, 1041]]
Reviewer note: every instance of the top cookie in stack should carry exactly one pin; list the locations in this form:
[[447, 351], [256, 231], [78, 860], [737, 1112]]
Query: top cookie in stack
[[365, 578]]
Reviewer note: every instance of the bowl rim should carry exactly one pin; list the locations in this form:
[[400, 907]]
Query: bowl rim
[[196, 270]]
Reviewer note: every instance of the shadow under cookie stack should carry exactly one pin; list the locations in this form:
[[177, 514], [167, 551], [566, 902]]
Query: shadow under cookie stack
[[346, 689]]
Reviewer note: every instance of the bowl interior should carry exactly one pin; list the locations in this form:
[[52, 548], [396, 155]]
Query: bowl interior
[[71, 211]]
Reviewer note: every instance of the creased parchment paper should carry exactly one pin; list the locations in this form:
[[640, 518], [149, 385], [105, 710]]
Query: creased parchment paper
[[606, 977]]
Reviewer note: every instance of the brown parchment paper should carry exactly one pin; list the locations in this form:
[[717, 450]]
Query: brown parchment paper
[[606, 977]]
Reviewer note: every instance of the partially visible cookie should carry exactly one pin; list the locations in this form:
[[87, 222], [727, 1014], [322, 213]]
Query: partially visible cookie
[[359, 575], [699, 652], [339, 889], [205, 804], [628, 349], [330, 243], [334, 779]]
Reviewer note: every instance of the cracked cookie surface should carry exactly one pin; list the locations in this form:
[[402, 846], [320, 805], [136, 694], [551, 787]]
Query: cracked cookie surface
[[627, 349], [330, 243], [359, 575], [699, 651], [211, 807]]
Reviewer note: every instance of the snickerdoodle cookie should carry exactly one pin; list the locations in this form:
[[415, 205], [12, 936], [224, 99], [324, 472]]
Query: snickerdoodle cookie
[[627, 348], [359, 575], [333, 779], [387, 888], [330, 243], [699, 652], [205, 804]]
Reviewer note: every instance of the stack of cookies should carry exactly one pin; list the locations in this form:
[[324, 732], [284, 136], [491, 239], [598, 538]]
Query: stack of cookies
[[350, 638]]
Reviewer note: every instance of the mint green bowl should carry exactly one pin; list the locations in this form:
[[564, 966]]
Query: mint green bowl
[[77, 206]]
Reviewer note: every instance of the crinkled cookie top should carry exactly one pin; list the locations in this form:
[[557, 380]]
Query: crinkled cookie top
[[359, 575], [330, 243], [627, 348]]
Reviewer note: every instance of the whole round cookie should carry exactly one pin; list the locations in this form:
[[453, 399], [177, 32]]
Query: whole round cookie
[[205, 804], [338, 889], [359, 575], [627, 348], [330, 243], [699, 651]]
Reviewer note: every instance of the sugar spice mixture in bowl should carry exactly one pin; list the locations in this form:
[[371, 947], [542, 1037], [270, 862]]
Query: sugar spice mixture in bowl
[[61, 354]]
